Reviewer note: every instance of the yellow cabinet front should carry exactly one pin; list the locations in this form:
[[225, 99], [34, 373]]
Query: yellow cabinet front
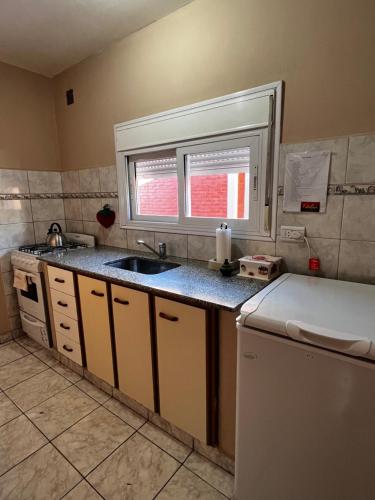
[[96, 327], [133, 344], [181, 345]]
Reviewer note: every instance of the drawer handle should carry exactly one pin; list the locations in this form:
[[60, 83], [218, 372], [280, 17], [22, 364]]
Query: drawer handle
[[59, 280], [97, 294], [168, 317], [62, 304], [69, 349], [65, 327], [120, 301]]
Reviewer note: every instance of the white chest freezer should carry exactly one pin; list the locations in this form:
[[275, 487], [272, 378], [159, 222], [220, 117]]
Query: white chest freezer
[[306, 392]]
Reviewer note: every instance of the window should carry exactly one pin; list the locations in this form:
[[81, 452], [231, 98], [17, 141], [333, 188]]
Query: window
[[197, 186], [189, 169]]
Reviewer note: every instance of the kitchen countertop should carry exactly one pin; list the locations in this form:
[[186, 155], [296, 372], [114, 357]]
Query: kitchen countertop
[[192, 281]]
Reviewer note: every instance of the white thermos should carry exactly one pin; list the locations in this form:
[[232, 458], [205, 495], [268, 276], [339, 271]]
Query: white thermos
[[223, 243]]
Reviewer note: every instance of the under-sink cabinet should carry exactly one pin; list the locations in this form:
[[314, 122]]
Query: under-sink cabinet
[[131, 319]]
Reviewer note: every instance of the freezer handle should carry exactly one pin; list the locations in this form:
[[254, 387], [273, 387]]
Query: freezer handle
[[328, 339]]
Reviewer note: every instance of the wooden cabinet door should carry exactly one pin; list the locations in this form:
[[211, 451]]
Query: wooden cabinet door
[[96, 327], [181, 344], [133, 344]]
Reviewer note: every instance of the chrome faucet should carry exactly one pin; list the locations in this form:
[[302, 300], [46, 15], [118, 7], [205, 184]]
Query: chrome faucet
[[162, 254]]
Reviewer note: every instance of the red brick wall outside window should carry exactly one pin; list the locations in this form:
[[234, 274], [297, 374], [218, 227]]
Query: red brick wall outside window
[[209, 194]]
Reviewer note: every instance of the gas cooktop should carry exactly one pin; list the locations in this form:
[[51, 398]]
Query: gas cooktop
[[43, 248]]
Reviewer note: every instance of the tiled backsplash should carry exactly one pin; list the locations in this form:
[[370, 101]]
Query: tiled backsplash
[[343, 237]]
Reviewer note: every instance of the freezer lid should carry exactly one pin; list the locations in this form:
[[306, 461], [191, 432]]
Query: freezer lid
[[338, 315]]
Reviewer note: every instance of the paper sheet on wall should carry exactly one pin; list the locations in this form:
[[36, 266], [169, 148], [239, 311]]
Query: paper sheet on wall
[[306, 181]]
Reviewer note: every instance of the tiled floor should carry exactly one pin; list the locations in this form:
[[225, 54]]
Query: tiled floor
[[61, 437]]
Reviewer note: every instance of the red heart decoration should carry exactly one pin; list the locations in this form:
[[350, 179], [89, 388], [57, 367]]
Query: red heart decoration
[[106, 217]]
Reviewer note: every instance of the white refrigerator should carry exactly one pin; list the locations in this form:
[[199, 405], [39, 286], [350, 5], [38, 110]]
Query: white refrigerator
[[306, 392]]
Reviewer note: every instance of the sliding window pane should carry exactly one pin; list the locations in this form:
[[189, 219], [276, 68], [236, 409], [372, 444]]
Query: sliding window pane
[[218, 184], [156, 187]]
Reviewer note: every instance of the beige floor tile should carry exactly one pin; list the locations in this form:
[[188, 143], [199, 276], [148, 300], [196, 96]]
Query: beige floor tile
[[136, 470], [8, 410], [44, 475], [10, 352], [47, 357], [29, 343], [211, 473], [20, 370], [93, 391], [92, 439], [83, 491], [185, 485], [61, 411], [126, 414], [18, 439], [178, 450], [37, 389], [67, 373]]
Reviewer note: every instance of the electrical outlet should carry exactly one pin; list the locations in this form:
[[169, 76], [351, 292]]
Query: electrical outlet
[[293, 233]]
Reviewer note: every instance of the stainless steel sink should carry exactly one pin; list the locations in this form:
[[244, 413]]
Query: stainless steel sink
[[142, 265]]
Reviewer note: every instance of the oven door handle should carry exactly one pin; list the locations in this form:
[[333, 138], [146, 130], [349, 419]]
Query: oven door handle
[[29, 320]]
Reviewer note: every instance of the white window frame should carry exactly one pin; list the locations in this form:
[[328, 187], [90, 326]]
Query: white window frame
[[263, 138]]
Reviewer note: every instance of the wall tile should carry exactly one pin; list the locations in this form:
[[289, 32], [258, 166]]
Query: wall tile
[[14, 235], [338, 148], [176, 243], [13, 211], [73, 209], [240, 248], [44, 182], [89, 180], [70, 181], [201, 247], [147, 236], [108, 179], [296, 256], [13, 181], [41, 229], [325, 225], [90, 207], [47, 209], [356, 262], [359, 218], [361, 159], [113, 236], [74, 226]]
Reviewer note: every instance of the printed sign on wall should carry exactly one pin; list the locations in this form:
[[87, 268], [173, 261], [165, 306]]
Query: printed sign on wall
[[306, 181]]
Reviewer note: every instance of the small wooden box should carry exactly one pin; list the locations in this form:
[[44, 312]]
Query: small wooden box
[[261, 267]]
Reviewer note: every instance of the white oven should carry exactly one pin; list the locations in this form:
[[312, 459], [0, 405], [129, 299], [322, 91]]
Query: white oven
[[33, 311]]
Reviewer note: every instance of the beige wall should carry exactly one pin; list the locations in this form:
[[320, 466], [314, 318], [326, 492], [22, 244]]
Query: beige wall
[[28, 134], [322, 49]]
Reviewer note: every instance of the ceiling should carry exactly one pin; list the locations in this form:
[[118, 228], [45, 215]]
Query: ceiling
[[48, 36]]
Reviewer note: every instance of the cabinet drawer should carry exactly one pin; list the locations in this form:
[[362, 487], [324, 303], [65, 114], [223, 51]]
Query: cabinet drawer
[[61, 280], [181, 341], [70, 349], [64, 303], [67, 326]]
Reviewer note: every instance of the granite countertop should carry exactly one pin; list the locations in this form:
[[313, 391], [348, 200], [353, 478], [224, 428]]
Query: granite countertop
[[191, 281]]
